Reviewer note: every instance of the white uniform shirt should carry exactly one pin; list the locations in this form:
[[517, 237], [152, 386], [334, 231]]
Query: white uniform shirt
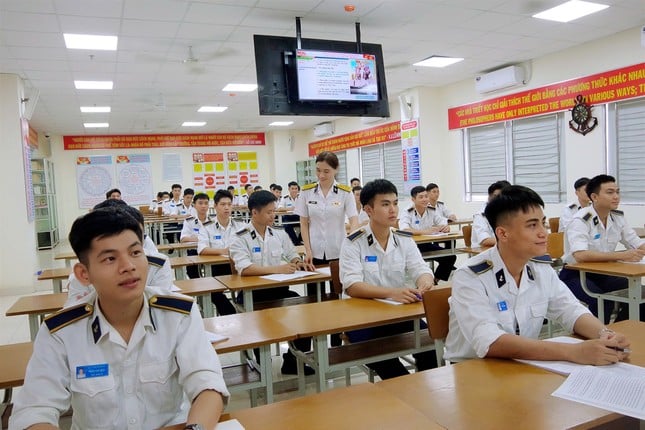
[[587, 233], [567, 215], [481, 230], [160, 274], [326, 217], [248, 247], [363, 217], [171, 207], [149, 247], [287, 202], [442, 209], [411, 219], [212, 234], [486, 303], [362, 259], [145, 384]]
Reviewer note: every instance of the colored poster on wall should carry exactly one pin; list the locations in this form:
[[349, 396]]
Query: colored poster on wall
[[211, 171], [94, 177], [410, 145], [26, 161], [134, 178], [242, 169]]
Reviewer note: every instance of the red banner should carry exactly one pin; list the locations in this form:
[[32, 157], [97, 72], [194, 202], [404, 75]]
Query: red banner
[[162, 140], [606, 87], [380, 134]]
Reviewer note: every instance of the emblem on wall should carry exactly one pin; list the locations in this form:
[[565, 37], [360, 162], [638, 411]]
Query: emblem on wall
[[581, 120]]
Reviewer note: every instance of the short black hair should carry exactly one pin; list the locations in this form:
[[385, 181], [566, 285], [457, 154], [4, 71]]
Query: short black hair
[[377, 186], [246, 187], [354, 179], [120, 204], [100, 223], [582, 182], [175, 186], [593, 186], [113, 190], [201, 196], [293, 184], [272, 186], [189, 192], [222, 194], [260, 199], [512, 199], [257, 188], [431, 186], [160, 194], [165, 193], [498, 186], [230, 187], [416, 190], [277, 187]]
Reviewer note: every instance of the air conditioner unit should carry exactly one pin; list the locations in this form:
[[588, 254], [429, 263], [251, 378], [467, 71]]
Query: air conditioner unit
[[324, 129], [500, 79], [372, 119]]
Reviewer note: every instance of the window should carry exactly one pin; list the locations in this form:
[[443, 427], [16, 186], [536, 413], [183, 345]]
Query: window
[[485, 157], [341, 175], [626, 149], [383, 161]]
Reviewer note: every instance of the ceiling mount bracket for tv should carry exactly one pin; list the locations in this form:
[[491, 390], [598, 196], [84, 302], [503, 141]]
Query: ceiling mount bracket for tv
[[359, 45]]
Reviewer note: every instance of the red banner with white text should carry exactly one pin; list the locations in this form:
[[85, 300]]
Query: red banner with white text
[[380, 134], [162, 140]]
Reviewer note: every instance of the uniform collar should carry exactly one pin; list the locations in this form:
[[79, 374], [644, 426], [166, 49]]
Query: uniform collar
[[100, 326], [503, 277]]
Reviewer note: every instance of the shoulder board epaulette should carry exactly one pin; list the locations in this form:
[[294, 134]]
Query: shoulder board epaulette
[[345, 187], [172, 303], [155, 261], [411, 209], [440, 203], [68, 316], [617, 212], [243, 231], [403, 233], [209, 222], [309, 186], [355, 235], [573, 206], [482, 267], [587, 216], [190, 218], [546, 258], [432, 208]]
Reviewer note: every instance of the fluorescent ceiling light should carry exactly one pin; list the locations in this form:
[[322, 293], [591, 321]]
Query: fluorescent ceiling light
[[438, 61], [90, 41], [570, 10], [281, 123], [240, 87], [95, 109], [96, 124], [212, 109], [193, 123], [93, 85]]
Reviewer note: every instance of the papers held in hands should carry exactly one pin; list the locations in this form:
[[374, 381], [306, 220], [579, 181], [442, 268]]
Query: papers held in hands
[[288, 276]]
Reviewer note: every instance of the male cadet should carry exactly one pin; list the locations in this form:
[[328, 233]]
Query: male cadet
[[186, 208], [171, 208], [213, 236], [592, 235], [355, 182], [501, 296], [114, 193], [582, 202], [438, 206], [128, 355], [376, 261], [423, 219], [482, 232], [261, 249], [288, 202], [160, 273]]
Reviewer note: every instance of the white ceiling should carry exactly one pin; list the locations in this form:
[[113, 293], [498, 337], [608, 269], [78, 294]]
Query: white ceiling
[[154, 91]]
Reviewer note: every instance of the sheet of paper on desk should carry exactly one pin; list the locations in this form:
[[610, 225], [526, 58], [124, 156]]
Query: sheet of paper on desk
[[229, 425], [288, 276], [634, 262], [324, 270], [437, 234], [389, 301], [614, 391], [175, 289], [214, 337]]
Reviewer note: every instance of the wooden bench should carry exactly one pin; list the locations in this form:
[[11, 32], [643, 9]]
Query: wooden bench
[[13, 367]]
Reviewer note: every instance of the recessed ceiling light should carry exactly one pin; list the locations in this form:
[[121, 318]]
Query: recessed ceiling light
[[193, 123], [93, 85], [570, 10], [212, 109], [95, 109], [281, 123], [90, 41], [438, 61], [240, 87], [96, 124]]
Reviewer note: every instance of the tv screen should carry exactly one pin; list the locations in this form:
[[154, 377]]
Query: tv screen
[[344, 76]]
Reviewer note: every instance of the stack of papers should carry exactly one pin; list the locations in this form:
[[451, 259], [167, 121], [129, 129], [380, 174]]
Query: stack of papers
[[288, 276]]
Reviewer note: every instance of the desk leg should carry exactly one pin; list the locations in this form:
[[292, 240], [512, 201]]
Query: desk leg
[[179, 273], [319, 287], [58, 285], [247, 294], [34, 324], [635, 297], [206, 304], [321, 355], [417, 333], [266, 371], [601, 302]]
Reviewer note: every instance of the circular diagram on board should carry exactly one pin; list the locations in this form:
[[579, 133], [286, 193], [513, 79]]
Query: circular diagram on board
[[134, 179], [244, 179], [95, 181], [210, 180]]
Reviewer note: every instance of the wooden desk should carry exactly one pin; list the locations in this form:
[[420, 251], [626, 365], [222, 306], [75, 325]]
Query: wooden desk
[[68, 256], [640, 231], [634, 295], [444, 237], [14, 363], [56, 275], [180, 247], [357, 407], [179, 263], [461, 221], [201, 289], [247, 284]]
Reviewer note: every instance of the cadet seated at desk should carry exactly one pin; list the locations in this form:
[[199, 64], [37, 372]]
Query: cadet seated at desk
[[141, 359], [501, 297], [424, 219], [261, 249], [592, 235], [582, 201], [438, 206], [159, 271], [375, 262], [482, 233], [288, 202]]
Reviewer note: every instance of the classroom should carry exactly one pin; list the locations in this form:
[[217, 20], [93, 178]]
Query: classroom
[[467, 138]]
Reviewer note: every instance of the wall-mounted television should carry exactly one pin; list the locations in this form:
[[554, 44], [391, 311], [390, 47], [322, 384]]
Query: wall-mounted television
[[323, 77]]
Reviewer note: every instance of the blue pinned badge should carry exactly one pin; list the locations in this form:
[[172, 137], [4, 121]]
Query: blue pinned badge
[[196, 230], [257, 249], [92, 371], [417, 222], [217, 237], [370, 258], [596, 236], [502, 306]]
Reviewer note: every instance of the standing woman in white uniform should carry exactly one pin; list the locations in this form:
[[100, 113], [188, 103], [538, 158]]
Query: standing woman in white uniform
[[322, 208]]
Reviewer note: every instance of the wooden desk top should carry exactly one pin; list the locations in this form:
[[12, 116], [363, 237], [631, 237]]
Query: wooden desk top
[[177, 245], [65, 255], [461, 221], [13, 365], [615, 268], [248, 330], [640, 231], [425, 238], [635, 332], [313, 319], [57, 273], [210, 259], [237, 282], [474, 250], [361, 406], [199, 286]]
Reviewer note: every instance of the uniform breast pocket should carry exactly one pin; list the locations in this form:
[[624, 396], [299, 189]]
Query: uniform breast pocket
[[397, 270], [95, 401], [536, 315], [159, 385]]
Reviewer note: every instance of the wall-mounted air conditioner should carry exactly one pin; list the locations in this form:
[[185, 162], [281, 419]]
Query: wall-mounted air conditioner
[[500, 79], [324, 129], [373, 119]]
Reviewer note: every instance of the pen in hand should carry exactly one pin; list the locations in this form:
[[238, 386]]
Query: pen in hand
[[616, 348]]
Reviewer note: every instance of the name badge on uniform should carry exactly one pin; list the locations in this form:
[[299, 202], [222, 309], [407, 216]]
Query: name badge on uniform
[[217, 237], [502, 306], [596, 236], [312, 202], [257, 249], [370, 258], [336, 203], [92, 371], [196, 230], [417, 222]]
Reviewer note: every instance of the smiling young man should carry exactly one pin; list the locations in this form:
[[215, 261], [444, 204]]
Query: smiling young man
[[501, 296], [129, 355], [592, 235], [582, 201]]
